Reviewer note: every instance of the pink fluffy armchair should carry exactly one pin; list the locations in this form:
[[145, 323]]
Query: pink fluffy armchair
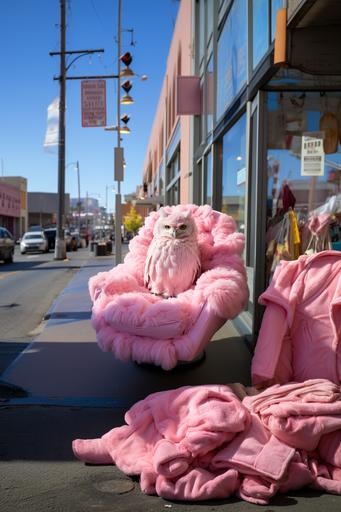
[[137, 325]]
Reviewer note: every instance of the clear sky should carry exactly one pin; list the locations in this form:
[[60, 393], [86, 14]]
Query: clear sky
[[29, 30]]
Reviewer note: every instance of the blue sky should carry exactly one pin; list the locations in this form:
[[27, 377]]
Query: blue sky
[[28, 32]]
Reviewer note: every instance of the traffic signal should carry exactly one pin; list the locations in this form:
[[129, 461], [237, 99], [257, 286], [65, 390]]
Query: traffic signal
[[126, 59], [127, 99]]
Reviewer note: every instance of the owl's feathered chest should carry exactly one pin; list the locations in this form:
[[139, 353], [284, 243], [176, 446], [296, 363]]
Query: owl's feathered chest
[[172, 265]]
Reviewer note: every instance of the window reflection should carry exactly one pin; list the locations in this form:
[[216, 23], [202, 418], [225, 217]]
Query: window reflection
[[232, 56], [260, 40], [234, 173]]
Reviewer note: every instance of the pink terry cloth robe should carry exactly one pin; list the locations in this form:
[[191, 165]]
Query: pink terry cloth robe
[[300, 333], [202, 442], [168, 436], [299, 414]]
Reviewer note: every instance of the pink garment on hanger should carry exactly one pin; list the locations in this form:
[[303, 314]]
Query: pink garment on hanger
[[300, 333]]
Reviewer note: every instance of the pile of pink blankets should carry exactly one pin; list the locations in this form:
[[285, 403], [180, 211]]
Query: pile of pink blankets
[[205, 442]]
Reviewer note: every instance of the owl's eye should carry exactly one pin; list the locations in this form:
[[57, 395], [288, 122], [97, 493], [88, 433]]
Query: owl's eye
[[182, 227], [167, 226]]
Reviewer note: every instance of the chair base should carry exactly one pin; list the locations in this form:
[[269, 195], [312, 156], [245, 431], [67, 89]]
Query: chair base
[[180, 364]]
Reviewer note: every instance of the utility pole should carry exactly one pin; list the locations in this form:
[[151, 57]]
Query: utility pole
[[60, 247], [118, 209]]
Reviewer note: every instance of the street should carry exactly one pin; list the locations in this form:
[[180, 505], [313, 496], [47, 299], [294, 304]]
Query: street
[[28, 288]]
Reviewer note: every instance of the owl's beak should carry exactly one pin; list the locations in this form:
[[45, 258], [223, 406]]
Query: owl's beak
[[174, 233]]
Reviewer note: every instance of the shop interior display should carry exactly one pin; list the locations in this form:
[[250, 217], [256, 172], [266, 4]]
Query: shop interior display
[[304, 175]]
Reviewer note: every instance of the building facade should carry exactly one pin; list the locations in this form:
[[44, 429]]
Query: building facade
[[167, 165], [43, 208], [270, 85], [19, 223], [10, 208]]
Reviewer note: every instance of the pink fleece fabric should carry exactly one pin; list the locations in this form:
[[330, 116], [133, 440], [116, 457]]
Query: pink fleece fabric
[[202, 442], [300, 333], [134, 324]]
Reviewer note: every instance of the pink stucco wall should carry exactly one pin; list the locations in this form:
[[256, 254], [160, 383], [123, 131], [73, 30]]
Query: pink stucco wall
[[9, 200], [180, 55]]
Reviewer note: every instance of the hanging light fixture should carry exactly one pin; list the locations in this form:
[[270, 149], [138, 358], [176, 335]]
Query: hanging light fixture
[[126, 59], [124, 128], [127, 99]]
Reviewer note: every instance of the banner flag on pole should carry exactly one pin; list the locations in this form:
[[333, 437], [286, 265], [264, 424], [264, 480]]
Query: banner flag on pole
[[51, 136]]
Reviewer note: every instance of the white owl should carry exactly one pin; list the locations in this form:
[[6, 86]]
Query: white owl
[[173, 258]]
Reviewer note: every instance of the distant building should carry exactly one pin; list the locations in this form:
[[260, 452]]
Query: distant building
[[143, 206], [10, 208], [43, 208], [19, 224], [88, 204]]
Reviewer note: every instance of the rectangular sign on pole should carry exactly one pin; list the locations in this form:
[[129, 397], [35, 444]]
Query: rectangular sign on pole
[[119, 164], [94, 103]]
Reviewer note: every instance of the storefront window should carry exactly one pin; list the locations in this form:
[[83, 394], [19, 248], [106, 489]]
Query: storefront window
[[161, 181], [304, 175], [234, 173], [173, 181], [260, 39], [232, 56], [173, 194], [208, 179]]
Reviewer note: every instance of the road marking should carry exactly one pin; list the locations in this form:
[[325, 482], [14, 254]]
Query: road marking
[[32, 256], [7, 275]]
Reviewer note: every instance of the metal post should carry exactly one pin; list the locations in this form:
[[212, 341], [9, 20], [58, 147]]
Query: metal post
[[60, 248], [87, 213], [118, 212], [79, 198]]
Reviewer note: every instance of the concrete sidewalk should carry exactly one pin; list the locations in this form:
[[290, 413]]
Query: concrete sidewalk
[[65, 365], [75, 390]]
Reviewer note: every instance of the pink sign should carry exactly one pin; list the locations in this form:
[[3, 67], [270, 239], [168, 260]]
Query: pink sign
[[94, 103], [188, 96], [9, 200]]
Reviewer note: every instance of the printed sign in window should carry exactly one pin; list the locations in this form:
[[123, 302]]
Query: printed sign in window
[[312, 154]]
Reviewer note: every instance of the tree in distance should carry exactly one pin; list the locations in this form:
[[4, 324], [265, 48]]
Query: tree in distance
[[132, 221]]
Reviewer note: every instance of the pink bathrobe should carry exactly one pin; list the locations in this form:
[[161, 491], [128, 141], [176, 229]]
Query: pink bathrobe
[[202, 442], [301, 329]]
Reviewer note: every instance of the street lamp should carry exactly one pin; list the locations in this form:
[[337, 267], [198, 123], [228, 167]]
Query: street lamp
[[127, 99], [60, 247]]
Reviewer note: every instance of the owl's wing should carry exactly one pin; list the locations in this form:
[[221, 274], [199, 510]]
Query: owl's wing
[[147, 267], [154, 255]]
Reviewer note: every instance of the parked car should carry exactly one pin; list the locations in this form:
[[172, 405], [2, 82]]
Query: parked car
[[6, 245], [34, 241]]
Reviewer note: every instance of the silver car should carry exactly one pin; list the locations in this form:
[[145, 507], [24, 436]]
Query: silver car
[[6, 245], [34, 241]]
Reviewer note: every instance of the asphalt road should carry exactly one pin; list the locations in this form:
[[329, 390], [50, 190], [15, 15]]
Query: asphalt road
[[28, 287]]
